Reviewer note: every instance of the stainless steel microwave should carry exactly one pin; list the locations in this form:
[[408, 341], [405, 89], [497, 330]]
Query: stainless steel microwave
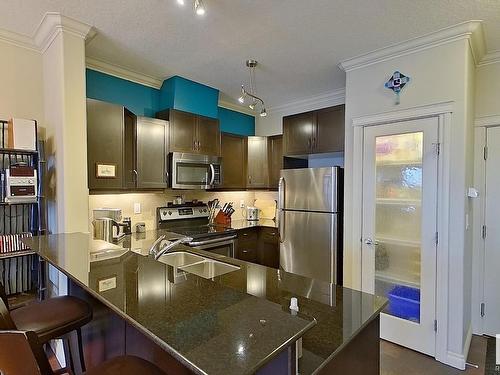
[[192, 171]]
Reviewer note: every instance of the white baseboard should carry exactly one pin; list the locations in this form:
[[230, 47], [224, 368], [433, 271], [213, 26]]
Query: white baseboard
[[458, 360]]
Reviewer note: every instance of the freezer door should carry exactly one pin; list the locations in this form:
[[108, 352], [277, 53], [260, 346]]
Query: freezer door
[[309, 189], [309, 244]]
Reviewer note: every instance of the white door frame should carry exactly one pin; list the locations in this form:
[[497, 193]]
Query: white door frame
[[443, 111], [481, 125]]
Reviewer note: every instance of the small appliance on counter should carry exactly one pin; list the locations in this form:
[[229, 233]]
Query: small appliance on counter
[[252, 213], [20, 184], [108, 225]]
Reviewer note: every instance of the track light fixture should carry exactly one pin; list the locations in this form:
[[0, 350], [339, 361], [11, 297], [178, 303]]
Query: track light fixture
[[251, 64]]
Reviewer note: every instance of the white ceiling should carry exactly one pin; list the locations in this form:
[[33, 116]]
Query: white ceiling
[[297, 42]]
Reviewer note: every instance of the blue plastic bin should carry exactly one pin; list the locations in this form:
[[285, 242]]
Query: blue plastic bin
[[404, 302]]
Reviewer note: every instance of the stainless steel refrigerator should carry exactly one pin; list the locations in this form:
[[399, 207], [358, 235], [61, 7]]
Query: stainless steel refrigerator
[[310, 222]]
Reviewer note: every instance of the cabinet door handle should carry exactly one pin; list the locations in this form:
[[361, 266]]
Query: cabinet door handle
[[194, 145], [199, 145], [309, 144], [135, 174], [314, 142]]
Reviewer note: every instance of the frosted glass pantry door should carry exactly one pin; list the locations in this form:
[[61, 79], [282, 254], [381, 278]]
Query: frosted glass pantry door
[[399, 228]]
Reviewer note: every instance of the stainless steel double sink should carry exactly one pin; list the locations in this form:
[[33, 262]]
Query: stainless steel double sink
[[196, 264]]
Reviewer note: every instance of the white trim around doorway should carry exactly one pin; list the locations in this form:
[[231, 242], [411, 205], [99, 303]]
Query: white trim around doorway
[[443, 111]]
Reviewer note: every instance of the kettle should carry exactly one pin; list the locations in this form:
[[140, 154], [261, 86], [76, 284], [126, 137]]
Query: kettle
[[252, 213]]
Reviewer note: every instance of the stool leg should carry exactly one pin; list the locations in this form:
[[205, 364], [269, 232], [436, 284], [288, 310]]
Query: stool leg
[[80, 349], [67, 353]]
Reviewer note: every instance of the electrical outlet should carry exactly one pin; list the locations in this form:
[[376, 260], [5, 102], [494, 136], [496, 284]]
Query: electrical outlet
[[137, 208], [242, 203]]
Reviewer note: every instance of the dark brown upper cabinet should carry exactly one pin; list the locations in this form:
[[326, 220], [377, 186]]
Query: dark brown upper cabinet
[[151, 153], [314, 132], [192, 133], [134, 147], [234, 161], [275, 158], [106, 144], [257, 167]]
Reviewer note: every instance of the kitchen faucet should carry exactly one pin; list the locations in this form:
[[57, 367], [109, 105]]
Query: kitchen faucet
[[167, 248]]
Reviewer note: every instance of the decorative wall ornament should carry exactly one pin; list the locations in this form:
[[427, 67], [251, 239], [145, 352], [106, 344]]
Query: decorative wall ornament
[[396, 83]]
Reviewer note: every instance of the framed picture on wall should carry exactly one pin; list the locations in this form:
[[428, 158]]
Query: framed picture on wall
[[105, 170]]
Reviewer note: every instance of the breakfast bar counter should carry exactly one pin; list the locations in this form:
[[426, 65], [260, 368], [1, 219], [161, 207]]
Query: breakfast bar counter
[[235, 323]]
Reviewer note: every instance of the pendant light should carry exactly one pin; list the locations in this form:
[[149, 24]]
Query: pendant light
[[251, 94]]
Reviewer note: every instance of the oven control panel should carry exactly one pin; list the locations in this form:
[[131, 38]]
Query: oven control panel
[[176, 213]]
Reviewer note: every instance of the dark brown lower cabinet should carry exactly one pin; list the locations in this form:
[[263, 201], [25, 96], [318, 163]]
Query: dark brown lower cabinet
[[247, 244], [259, 245], [269, 247]]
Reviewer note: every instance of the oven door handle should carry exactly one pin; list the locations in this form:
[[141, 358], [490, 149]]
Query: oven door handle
[[214, 240], [212, 171]]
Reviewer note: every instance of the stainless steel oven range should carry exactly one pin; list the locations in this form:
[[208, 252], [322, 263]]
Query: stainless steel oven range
[[191, 219]]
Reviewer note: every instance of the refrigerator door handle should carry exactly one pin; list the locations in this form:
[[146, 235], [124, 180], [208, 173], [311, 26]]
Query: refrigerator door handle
[[281, 204], [281, 193], [281, 226]]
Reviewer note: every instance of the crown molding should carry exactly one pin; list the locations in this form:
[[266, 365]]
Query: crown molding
[[469, 30], [328, 99], [493, 120], [235, 107], [18, 40], [490, 58], [54, 23], [123, 73]]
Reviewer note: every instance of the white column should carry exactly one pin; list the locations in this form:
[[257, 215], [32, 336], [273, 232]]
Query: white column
[[62, 43]]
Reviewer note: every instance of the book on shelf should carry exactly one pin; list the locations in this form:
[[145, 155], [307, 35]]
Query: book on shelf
[[10, 243]]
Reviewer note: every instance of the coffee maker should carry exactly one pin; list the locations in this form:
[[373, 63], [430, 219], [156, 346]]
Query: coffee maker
[[108, 224]]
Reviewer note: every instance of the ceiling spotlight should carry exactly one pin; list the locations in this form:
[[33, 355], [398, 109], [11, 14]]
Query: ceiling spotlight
[[180, 2], [241, 99], [199, 8], [252, 106], [263, 112]]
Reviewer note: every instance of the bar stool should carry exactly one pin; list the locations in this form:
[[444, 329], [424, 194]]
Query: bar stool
[[22, 354], [49, 319]]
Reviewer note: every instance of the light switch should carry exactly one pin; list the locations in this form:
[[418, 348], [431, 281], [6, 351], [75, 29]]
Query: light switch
[[137, 208]]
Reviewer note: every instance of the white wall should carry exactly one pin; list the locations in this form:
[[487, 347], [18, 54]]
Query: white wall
[[488, 90], [21, 83], [437, 74]]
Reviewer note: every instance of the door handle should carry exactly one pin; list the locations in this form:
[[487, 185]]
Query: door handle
[[370, 242], [212, 171]]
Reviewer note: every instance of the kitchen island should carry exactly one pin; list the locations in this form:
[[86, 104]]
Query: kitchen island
[[235, 323]]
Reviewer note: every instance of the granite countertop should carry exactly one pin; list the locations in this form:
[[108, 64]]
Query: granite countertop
[[214, 326]]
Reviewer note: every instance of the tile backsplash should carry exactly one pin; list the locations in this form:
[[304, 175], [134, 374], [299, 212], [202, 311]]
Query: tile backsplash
[[150, 201]]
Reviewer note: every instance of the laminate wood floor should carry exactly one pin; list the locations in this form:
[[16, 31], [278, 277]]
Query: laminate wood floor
[[396, 360]]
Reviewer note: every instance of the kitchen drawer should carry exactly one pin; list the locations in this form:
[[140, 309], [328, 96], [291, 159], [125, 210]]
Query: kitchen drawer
[[269, 235], [247, 251], [249, 234]]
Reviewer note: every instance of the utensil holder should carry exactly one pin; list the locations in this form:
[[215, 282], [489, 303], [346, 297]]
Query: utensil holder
[[223, 219]]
